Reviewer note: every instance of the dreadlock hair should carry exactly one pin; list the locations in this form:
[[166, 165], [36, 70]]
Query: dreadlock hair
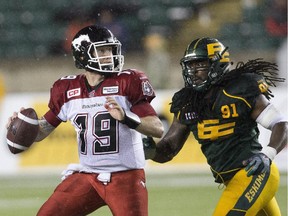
[[188, 99], [268, 70]]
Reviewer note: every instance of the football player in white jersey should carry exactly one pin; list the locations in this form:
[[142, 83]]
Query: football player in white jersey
[[109, 109]]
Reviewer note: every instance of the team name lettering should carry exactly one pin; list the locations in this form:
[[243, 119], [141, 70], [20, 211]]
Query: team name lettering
[[255, 187], [73, 93], [89, 106]]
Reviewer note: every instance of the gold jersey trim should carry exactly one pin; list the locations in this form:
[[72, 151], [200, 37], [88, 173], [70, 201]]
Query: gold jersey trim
[[240, 98]]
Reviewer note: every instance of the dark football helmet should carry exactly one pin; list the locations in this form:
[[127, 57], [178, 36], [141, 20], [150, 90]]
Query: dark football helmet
[[205, 49], [85, 45]]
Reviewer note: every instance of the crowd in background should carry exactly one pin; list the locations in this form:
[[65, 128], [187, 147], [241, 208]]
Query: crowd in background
[[45, 28]]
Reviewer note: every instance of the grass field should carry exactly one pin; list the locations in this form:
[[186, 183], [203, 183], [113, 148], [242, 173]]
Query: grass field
[[184, 194]]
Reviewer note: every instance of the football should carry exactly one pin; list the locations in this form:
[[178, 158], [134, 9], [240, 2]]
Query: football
[[22, 131]]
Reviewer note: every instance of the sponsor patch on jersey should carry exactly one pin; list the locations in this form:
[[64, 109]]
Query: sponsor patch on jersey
[[73, 93], [110, 90], [147, 88]]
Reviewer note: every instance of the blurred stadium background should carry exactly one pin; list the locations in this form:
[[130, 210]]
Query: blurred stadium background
[[35, 41]]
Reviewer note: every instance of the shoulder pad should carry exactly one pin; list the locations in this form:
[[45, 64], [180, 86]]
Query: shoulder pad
[[176, 101], [66, 85], [65, 80], [133, 72], [247, 85]]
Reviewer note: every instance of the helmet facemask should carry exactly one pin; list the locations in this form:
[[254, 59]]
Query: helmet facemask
[[105, 64], [190, 77]]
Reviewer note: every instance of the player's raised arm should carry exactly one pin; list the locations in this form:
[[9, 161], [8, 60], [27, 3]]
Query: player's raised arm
[[45, 128], [149, 125]]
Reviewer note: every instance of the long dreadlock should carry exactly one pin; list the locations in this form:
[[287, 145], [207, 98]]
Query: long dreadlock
[[188, 99], [268, 70]]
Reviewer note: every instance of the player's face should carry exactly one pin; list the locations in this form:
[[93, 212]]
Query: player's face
[[198, 71], [105, 54]]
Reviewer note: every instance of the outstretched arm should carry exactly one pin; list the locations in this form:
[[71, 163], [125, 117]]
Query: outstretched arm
[[44, 127], [173, 141], [149, 125]]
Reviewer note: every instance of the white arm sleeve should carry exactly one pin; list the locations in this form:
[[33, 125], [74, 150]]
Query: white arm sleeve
[[269, 117]]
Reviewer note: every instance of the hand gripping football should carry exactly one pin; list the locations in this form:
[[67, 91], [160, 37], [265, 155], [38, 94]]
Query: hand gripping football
[[22, 131]]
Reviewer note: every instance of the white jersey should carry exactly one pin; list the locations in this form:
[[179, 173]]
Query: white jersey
[[104, 144]]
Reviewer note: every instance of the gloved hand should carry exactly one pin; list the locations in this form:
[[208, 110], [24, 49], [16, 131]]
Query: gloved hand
[[257, 164], [149, 146]]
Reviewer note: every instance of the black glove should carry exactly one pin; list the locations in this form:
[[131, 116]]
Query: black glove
[[149, 146], [257, 164]]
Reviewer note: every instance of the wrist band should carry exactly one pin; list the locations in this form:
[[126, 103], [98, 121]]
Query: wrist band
[[131, 119], [269, 152]]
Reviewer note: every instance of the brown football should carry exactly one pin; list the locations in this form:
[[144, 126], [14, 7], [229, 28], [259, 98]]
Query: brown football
[[22, 131]]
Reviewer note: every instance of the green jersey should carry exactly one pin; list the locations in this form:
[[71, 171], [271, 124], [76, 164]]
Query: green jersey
[[227, 133]]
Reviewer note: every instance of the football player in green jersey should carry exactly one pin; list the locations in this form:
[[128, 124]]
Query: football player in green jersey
[[222, 108]]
